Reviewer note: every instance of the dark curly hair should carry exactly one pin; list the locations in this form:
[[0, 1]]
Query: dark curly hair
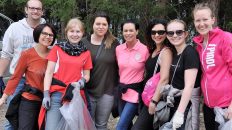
[[151, 43]]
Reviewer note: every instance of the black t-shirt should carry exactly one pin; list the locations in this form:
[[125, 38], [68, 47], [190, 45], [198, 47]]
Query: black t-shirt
[[150, 66], [189, 59]]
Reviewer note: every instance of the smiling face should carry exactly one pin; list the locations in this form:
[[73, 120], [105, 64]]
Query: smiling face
[[129, 32], [203, 21], [46, 36], [100, 26], [74, 34], [158, 34], [176, 33], [34, 10]]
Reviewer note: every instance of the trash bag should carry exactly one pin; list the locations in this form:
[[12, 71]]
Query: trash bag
[[63, 125], [225, 124], [166, 126], [75, 114]]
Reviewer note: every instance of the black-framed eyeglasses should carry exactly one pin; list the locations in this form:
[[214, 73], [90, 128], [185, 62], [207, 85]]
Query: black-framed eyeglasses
[[47, 34], [34, 8], [159, 32], [177, 32]]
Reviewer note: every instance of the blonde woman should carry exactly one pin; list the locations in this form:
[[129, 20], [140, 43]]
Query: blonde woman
[[66, 61], [214, 48], [184, 71]]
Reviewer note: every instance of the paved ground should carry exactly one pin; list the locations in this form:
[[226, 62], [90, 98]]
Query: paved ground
[[2, 114], [111, 126]]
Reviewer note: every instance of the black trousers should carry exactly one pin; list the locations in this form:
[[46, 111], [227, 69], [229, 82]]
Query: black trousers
[[28, 114], [209, 118], [144, 120]]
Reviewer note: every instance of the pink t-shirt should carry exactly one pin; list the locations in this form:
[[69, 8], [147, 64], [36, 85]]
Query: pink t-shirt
[[131, 63]]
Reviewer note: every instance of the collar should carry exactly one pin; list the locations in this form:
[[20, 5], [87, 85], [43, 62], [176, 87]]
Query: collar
[[135, 47], [212, 33]]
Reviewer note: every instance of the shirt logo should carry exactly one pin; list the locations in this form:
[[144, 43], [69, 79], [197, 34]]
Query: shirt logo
[[137, 56], [210, 61]]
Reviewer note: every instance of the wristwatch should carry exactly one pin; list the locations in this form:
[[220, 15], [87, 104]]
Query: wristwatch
[[153, 101]]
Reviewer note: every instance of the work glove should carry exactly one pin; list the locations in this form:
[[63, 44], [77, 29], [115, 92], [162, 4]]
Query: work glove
[[178, 120], [2, 86], [80, 83], [46, 100]]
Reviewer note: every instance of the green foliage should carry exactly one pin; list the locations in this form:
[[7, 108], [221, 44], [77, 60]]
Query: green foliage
[[141, 10], [60, 11]]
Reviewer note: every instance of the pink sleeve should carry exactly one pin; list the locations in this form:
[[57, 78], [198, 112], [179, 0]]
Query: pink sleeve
[[227, 50]]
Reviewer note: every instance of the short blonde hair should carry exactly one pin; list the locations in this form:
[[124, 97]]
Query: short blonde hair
[[201, 6], [72, 22]]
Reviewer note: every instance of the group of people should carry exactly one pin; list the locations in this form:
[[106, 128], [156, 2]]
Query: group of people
[[43, 78]]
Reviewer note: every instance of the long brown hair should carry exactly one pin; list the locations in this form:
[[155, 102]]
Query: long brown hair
[[110, 38]]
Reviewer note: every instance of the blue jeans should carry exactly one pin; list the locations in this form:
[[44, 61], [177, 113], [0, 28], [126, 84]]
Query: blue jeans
[[53, 115], [127, 112], [20, 86]]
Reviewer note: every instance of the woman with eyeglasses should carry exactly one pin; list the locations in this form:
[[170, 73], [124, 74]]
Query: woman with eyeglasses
[[184, 72], [69, 64], [32, 63], [156, 42], [215, 49]]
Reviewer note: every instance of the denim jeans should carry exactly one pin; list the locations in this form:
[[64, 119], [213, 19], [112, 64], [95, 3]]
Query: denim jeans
[[100, 110], [127, 112], [8, 126], [53, 115]]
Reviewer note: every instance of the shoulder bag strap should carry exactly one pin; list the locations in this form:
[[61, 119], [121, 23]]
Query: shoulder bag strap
[[99, 49], [157, 62], [156, 65], [177, 64]]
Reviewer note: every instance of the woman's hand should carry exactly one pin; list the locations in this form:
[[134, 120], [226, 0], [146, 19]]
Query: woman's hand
[[3, 99], [228, 114], [151, 108]]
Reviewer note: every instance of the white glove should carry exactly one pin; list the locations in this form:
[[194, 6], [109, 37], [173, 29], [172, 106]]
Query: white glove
[[178, 120]]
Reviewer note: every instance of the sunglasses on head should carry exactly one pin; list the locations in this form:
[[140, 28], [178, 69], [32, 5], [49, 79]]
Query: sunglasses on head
[[160, 32], [177, 32]]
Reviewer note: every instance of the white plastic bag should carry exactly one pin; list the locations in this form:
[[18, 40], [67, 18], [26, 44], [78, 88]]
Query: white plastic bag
[[63, 125], [75, 114], [225, 124]]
